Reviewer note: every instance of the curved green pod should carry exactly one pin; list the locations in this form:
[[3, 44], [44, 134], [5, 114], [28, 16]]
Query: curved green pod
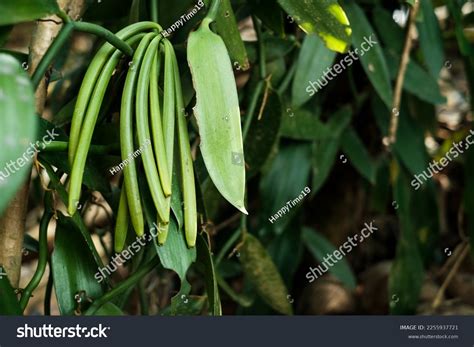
[[90, 79], [142, 108], [169, 99], [80, 157], [218, 114], [157, 128], [126, 137], [186, 164]]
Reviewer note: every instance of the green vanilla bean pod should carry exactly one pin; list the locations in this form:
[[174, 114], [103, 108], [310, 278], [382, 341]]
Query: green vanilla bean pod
[[173, 95], [186, 163], [121, 226], [169, 112], [169, 107], [217, 113], [158, 140], [90, 79], [126, 138], [143, 131], [169, 103], [79, 160], [157, 128]]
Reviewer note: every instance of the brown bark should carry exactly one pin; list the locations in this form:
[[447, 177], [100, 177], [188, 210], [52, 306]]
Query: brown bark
[[12, 223]]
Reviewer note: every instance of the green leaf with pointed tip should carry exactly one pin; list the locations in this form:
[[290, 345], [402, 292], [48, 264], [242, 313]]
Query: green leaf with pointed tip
[[279, 189], [428, 90], [358, 155], [74, 268], [305, 124], [324, 157], [16, 11], [313, 60], [320, 247], [326, 148], [323, 17], [218, 114], [18, 124], [174, 254], [431, 39], [258, 266], [372, 59], [206, 263]]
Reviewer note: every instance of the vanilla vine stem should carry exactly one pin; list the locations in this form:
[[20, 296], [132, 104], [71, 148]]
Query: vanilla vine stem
[[212, 14], [65, 34], [395, 112]]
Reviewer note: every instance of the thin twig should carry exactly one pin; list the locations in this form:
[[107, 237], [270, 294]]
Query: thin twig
[[439, 296], [397, 96], [265, 96], [451, 260]]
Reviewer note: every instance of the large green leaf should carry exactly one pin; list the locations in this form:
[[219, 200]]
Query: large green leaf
[[428, 90], [174, 254], [287, 251], [262, 272], [76, 218], [393, 37], [358, 155], [279, 192], [389, 32], [9, 305], [313, 60], [373, 60], [431, 40], [324, 157], [209, 271], [18, 124], [305, 124], [325, 149], [323, 17], [74, 268], [320, 247], [16, 11], [218, 114]]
